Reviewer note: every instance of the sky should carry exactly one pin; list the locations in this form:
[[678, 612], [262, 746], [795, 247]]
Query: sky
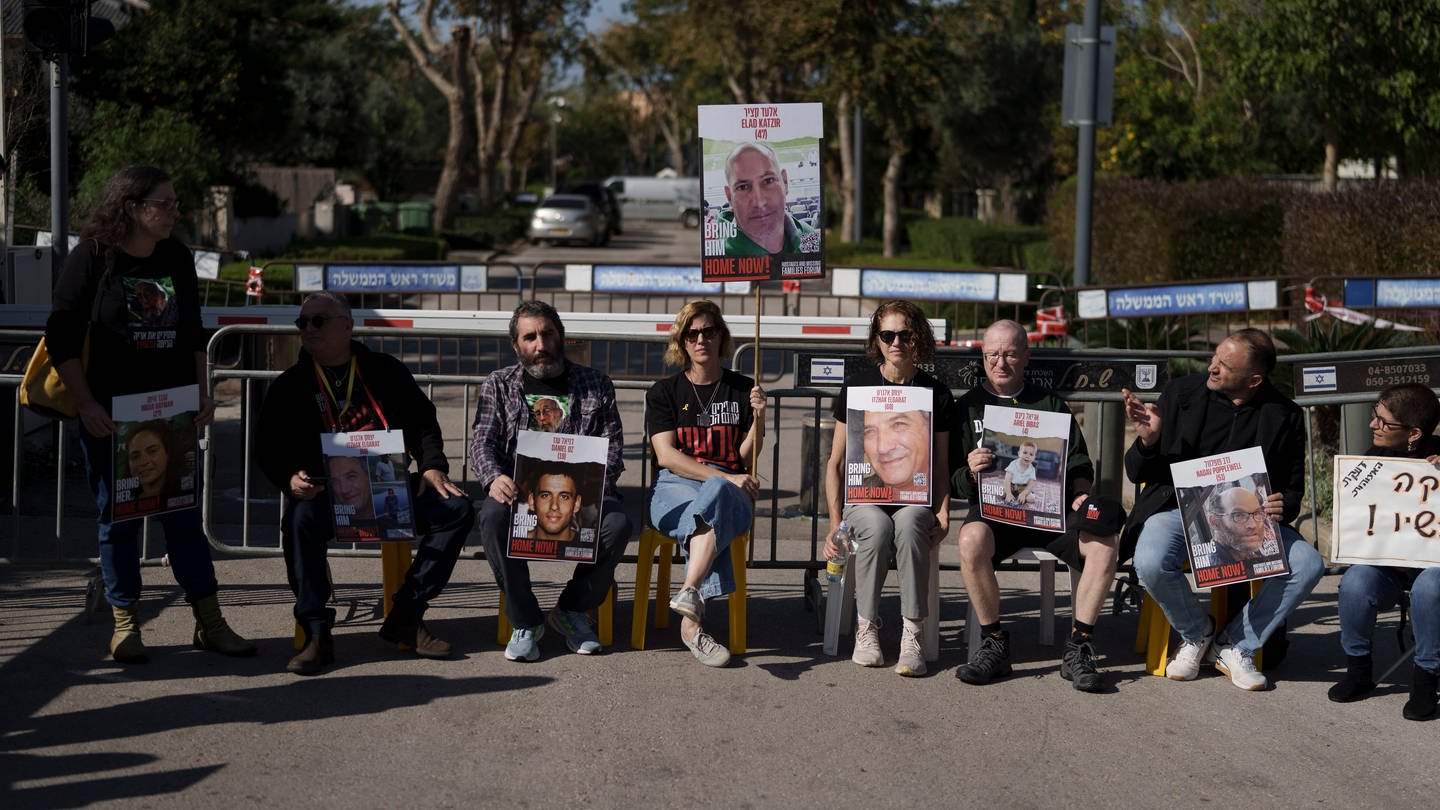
[[602, 12]]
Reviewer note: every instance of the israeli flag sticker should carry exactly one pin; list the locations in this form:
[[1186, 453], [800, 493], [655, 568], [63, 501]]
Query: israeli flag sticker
[[1318, 379], [827, 371]]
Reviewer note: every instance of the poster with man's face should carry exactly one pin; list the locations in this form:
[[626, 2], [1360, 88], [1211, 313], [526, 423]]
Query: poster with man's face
[[560, 479], [762, 191], [889, 440], [1227, 533], [367, 479]]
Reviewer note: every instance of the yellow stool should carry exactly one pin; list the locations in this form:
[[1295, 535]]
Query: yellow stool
[[394, 562], [1152, 638], [652, 541], [605, 626]]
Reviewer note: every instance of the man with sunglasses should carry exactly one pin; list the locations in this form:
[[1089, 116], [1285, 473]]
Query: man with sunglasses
[[505, 405], [1092, 522], [1230, 407], [338, 385]]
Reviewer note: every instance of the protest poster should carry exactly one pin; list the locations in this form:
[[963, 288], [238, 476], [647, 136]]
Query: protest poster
[[1026, 487], [561, 485], [367, 476], [888, 442], [762, 192], [1386, 512], [1227, 533], [155, 467]]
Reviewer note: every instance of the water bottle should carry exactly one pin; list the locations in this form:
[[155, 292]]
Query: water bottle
[[835, 566]]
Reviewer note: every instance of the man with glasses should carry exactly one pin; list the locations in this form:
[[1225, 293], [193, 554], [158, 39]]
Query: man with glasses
[[338, 385], [506, 405], [1092, 526], [1230, 407]]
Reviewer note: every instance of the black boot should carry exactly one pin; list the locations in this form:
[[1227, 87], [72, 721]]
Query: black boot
[[318, 653], [1358, 681], [1421, 705]]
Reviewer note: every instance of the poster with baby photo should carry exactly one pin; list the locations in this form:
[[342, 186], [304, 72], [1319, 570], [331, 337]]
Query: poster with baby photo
[[368, 480], [1227, 533], [761, 183], [1026, 487], [155, 456], [889, 436], [560, 485]]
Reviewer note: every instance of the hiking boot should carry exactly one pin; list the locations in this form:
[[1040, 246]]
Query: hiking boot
[[125, 644], [689, 604], [1238, 664], [412, 632], [1357, 682], [705, 648], [1186, 666], [1078, 667], [524, 643], [212, 633], [1421, 705], [319, 651], [989, 662], [912, 652], [575, 627], [867, 644]]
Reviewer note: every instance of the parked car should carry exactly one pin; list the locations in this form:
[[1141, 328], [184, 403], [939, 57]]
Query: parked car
[[666, 198], [603, 198], [568, 218]]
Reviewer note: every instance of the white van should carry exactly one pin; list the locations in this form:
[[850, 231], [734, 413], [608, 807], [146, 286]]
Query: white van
[[666, 198]]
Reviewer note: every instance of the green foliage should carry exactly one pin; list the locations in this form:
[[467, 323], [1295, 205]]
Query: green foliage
[[383, 247], [501, 226], [971, 242], [1364, 230]]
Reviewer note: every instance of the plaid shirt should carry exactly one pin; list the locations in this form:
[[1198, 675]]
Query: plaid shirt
[[501, 412]]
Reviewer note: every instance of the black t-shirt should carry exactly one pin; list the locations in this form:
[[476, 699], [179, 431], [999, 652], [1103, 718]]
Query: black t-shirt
[[342, 415], [547, 400], [870, 375], [710, 421]]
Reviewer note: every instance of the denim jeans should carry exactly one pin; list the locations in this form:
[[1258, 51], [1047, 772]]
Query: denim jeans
[[876, 529], [442, 524], [185, 540], [1365, 590], [678, 505], [1160, 557]]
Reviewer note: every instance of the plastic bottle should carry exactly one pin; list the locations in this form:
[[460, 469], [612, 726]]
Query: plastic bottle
[[835, 567]]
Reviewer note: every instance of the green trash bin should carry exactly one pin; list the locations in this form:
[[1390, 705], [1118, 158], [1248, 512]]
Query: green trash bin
[[415, 217], [386, 215], [364, 218]]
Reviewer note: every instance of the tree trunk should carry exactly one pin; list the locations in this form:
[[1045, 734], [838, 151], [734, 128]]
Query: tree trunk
[[893, 166], [844, 113], [457, 142], [1332, 164]]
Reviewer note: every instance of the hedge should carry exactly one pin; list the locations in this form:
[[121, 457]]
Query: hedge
[[972, 242]]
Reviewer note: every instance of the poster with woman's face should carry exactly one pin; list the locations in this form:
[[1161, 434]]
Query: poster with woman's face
[[155, 469]]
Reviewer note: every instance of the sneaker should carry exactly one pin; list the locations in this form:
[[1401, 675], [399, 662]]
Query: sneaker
[[1078, 667], [689, 604], [706, 650], [912, 653], [575, 627], [1238, 664], [1186, 666], [989, 662], [867, 644], [524, 644]]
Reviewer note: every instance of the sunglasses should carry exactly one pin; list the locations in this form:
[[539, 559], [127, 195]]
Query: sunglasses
[[710, 333], [904, 336], [318, 320]]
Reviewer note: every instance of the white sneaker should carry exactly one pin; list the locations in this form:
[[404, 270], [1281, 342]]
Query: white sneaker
[[912, 654], [1238, 664], [867, 644], [1186, 666]]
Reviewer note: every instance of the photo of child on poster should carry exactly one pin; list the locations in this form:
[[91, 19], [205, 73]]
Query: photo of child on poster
[[1227, 533], [155, 458], [368, 485], [1026, 487], [762, 191], [887, 448], [561, 479]]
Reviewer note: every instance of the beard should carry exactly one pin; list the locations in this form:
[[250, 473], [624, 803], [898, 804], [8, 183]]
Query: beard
[[545, 369]]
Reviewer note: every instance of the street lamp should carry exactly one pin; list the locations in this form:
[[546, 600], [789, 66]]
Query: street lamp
[[558, 102]]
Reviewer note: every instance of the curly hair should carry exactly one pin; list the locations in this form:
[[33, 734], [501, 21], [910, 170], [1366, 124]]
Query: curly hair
[[675, 354], [922, 344], [113, 218]]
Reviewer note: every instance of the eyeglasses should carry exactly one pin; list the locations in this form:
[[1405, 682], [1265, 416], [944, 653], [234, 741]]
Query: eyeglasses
[[164, 205], [993, 357], [1242, 518], [318, 320], [1385, 423], [888, 337], [709, 333]]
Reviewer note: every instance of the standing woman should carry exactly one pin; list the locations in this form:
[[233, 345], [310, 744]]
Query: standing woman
[[1402, 423], [699, 425], [134, 347], [900, 337]]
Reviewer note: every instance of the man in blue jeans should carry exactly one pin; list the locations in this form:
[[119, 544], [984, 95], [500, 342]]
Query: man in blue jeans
[[1231, 407]]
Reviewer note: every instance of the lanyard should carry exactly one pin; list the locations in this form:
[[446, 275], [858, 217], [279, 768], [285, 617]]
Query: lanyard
[[332, 418]]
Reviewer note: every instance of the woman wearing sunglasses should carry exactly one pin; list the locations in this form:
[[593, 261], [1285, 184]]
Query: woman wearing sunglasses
[[702, 424], [900, 337], [1402, 424], [107, 299]]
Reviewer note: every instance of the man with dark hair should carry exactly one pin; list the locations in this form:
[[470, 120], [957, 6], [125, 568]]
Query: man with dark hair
[[1230, 407], [504, 407]]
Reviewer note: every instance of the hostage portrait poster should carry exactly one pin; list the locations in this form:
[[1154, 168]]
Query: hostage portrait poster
[[1227, 533], [560, 481], [761, 185], [1026, 487], [155, 457], [367, 477], [889, 443]]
